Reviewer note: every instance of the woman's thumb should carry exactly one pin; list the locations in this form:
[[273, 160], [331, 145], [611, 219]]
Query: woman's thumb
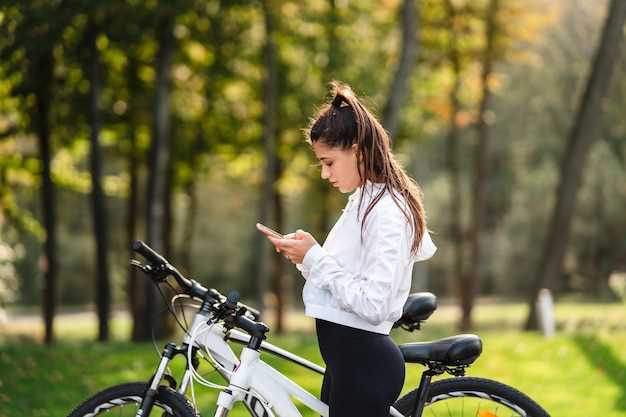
[[300, 234]]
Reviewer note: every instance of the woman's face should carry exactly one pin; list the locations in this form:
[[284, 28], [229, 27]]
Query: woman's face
[[339, 166]]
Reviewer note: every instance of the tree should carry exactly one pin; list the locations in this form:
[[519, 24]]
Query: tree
[[136, 297], [406, 64], [581, 137], [159, 164], [268, 196], [452, 148], [28, 51], [130, 44], [99, 213], [470, 282]]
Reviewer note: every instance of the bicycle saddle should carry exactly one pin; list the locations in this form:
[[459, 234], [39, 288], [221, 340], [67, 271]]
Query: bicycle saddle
[[418, 307], [462, 349]]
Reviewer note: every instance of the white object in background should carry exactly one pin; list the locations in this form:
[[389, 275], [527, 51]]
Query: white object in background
[[545, 312]]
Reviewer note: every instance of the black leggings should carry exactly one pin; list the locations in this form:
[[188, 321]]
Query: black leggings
[[364, 370]]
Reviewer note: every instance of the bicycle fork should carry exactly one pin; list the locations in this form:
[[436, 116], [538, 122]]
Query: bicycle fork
[[147, 402]]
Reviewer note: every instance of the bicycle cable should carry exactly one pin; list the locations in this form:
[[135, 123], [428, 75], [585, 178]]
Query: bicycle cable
[[196, 332], [185, 329], [171, 311], [180, 300], [194, 374]]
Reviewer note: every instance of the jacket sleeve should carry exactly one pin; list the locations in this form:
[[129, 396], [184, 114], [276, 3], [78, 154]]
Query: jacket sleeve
[[303, 270], [367, 293]]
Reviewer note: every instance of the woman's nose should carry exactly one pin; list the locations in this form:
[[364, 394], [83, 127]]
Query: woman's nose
[[324, 173]]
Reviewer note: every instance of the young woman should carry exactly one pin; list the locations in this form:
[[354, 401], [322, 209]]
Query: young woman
[[358, 281]]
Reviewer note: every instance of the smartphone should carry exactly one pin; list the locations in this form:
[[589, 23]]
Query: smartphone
[[270, 231]]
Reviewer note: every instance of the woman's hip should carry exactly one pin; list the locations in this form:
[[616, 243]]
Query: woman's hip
[[348, 346]]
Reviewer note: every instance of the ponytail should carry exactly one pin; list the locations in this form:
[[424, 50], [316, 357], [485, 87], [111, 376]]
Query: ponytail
[[344, 121]]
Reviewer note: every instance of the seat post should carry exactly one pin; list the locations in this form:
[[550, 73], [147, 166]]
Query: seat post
[[422, 392]]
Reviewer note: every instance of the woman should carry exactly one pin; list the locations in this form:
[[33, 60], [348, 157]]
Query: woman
[[358, 281]]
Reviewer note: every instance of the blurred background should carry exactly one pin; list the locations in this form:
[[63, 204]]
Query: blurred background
[[180, 123]]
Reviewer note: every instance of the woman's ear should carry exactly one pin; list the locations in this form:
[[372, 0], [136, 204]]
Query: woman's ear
[[354, 148]]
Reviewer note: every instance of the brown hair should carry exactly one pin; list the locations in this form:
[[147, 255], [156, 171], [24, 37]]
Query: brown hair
[[343, 122]]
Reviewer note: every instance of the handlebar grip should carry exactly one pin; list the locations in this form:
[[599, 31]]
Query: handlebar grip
[[146, 251]]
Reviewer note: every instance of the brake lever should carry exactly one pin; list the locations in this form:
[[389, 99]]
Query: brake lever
[[145, 268], [159, 273]]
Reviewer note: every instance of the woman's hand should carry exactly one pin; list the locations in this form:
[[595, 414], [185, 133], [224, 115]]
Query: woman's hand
[[294, 246]]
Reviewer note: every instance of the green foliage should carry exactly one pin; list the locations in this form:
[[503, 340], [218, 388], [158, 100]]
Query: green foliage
[[217, 107]]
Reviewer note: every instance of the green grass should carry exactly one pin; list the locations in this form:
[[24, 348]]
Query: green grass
[[580, 372]]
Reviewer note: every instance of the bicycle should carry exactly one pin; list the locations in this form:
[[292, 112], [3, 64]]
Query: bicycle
[[266, 392]]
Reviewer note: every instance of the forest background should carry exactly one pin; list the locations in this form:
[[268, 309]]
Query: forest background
[[180, 124]]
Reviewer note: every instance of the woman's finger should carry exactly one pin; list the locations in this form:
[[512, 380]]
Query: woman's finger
[[274, 242], [285, 243]]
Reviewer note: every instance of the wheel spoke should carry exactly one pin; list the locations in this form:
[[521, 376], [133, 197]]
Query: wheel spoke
[[455, 407], [481, 397]]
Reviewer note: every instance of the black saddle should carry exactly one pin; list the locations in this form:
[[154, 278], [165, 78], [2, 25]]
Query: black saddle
[[463, 349], [418, 307]]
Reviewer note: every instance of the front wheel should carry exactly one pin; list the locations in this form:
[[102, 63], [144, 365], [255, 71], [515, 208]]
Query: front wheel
[[475, 397], [124, 400]]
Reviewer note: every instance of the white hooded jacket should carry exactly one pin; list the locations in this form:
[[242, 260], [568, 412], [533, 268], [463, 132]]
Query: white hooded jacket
[[363, 284]]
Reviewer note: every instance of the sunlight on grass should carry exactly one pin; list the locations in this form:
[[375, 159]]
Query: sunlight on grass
[[579, 372]]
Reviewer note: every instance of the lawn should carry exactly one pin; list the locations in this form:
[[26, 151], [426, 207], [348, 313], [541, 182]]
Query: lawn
[[579, 372]]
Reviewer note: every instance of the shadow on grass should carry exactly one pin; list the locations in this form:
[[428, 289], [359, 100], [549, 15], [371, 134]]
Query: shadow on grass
[[601, 356]]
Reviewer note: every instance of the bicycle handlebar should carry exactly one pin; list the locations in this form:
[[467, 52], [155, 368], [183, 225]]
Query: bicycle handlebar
[[190, 286], [147, 252]]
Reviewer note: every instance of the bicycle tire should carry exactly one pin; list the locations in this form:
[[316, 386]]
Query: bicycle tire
[[168, 400], [480, 390]]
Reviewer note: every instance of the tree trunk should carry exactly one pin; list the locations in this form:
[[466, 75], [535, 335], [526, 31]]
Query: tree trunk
[[186, 244], [42, 102], [168, 217], [279, 283], [268, 194], [408, 57], [102, 287], [159, 162], [215, 71], [580, 138], [188, 228], [471, 287], [453, 165], [332, 67], [136, 299]]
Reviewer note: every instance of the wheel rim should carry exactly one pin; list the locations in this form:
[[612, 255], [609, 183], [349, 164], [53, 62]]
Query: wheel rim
[[471, 404], [128, 406]]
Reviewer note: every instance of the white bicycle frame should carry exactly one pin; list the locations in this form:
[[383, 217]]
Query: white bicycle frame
[[264, 391]]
